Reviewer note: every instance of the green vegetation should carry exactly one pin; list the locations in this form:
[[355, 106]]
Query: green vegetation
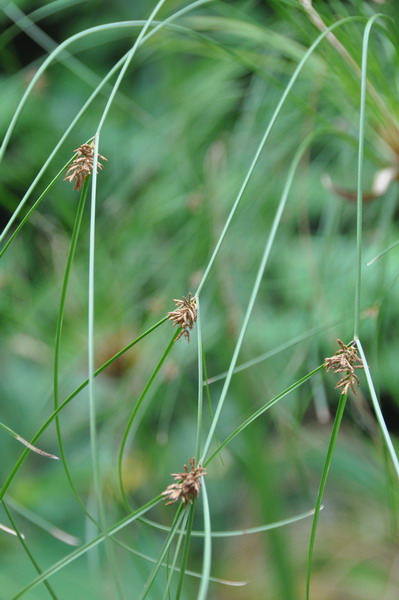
[[247, 163]]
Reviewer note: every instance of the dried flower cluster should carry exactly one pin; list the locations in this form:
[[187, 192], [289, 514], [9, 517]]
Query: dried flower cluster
[[188, 484], [82, 165], [344, 361], [184, 316]]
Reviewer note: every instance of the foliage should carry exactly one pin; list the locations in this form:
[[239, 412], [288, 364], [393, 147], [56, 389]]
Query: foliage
[[240, 138]]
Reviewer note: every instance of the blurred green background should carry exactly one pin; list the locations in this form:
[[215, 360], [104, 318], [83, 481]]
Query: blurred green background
[[179, 139]]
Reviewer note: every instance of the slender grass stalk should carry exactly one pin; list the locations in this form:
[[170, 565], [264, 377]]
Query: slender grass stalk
[[322, 486], [28, 552], [258, 152], [258, 280], [176, 523], [227, 582], [81, 387], [90, 345], [76, 37], [90, 342], [89, 546], [134, 414], [47, 62], [172, 568], [359, 213], [377, 410], [237, 532], [45, 525], [280, 348], [60, 319], [206, 564], [261, 410], [186, 551], [208, 396], [391, 247], [200, 386]]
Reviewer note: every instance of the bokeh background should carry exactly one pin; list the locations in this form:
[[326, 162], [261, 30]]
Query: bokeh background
[[179, 139]]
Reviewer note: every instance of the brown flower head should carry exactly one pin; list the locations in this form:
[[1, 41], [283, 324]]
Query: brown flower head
[[184, 316], [188, 484], [344, 361], [82, 166]]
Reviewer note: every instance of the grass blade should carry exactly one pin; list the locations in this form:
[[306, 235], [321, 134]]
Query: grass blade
[[47, 62], [20, 439], [176, 522], [186, 551], [39, 521], [61, 564], [59, 324], [206, 565], [82, 386], [263, 409], [322, 486], [134, 414], [359, 212], [27, 551], [172, 568], [276, 113], [377, 410]]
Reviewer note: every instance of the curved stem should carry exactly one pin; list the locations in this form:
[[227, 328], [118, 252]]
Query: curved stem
[[81, 387], [134, 414]]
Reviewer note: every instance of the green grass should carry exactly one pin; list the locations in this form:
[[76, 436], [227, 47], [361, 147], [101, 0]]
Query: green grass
[[220, 121]]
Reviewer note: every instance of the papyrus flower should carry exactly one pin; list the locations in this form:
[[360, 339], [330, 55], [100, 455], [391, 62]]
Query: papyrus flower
[[344, 361], [188, 484], [184, 316], [82, 166]]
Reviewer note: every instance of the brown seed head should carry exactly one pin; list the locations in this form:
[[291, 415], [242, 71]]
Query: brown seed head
[[188, 484], [82, 166], [344, 361], [184, 316]]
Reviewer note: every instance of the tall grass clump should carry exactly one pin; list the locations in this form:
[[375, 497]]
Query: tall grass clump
[[198, 276]]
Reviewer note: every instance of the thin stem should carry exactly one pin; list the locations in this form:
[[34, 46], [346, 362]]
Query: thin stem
[[186, 551], [176, 522], [258, 152], [261, 410], [208, 395], [86, 547], [60, 319], [28, 552], [359, 213], [237, 532], [81, 387], [391, 247], [377, 409], [200, 386], [259, 276], [280, 348], [90, 344], [172, 567], [206, 565], [43, 67], [134, 414], [322, 486]]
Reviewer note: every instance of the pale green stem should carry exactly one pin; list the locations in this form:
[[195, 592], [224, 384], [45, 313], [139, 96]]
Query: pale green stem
[[377, 409], [206, 565]]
